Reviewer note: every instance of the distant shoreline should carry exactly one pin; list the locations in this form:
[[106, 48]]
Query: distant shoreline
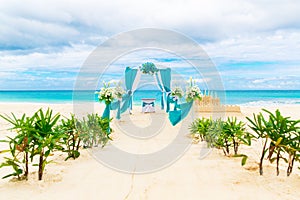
[[229, 97]]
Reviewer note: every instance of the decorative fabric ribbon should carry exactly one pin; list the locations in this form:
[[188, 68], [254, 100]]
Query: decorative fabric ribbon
[[145, 104], [116, 105], [106, 114], [176, 116], [171, 99]]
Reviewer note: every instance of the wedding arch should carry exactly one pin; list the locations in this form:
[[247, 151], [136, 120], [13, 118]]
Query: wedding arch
[[162, 78]]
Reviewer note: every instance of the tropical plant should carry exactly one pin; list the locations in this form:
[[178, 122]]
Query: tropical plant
[[236, 131], [35, 136], [279, 135], [293, 150], [259, 126], [46, 138], [40, 135], [199, 127], [216, 137], [15, 164], [225, 135], [72, 138], [94, 130], [19, 146]]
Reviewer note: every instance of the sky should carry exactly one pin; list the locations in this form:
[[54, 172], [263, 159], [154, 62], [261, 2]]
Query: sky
[[254, 44]]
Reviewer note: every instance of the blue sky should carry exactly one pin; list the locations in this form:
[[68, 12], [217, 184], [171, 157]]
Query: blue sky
[[253, 44]]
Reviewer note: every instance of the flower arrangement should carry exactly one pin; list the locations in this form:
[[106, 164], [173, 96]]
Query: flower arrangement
[[177, 92], [149, 68], [193, 93], [106, 94], [119, 91]]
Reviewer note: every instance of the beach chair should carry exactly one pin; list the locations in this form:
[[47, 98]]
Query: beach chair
[[148, 105]]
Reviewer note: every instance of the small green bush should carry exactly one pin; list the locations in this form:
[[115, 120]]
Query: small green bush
[[281, 137], [42, 134], [72, 137], [94, 130], [226, 135]]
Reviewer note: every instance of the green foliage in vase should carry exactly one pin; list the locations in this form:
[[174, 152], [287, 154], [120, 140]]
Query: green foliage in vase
[[149, 68]]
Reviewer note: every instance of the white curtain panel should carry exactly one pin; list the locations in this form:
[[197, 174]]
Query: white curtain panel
[[136, 80], [158, 82]]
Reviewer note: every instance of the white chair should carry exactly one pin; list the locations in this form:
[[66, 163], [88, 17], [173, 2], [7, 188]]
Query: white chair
[[148, 105]]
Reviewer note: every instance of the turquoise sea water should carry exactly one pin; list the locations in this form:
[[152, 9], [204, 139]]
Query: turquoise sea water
[[234, 97]]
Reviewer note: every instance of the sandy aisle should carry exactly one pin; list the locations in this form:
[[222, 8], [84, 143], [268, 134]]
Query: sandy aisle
[[212, 177]]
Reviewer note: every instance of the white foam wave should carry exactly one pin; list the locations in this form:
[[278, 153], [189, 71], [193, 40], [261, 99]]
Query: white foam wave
[[274, 102]]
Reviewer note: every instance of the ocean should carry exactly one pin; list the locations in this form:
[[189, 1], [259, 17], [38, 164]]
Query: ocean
[[231, 97]]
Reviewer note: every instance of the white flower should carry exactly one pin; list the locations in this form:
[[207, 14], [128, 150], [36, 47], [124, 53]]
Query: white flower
[[106, 94], [119, 91], [192, 93], [177, 91]]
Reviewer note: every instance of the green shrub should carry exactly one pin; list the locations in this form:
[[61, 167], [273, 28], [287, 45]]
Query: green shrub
[[200, 127], [41, 135], [72, 137], [19, 146], [225, 135], [45, 138], [215, 136], [94, 130], [280, 135], [236, 133], [35, 136]]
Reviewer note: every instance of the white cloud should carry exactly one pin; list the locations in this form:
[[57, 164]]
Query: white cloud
[[67, 58], [59, 35], [60, 22]]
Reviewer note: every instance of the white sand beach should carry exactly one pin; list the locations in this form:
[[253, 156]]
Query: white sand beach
[[190, 177]]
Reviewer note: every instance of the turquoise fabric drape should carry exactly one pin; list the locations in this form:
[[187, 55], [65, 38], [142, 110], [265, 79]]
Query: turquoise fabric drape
[[169, 100], [177, 115], [106, 112], [162, 94], [176, 105], [126, 102], [116, 105], [130, 75], [173, 100], [166, 78], [165, 84]]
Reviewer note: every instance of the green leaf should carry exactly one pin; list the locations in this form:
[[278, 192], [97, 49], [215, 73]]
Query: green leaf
[[278, 141], [244, 160], [47, 153], [4, 151], [273, 159], [9, 175]]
